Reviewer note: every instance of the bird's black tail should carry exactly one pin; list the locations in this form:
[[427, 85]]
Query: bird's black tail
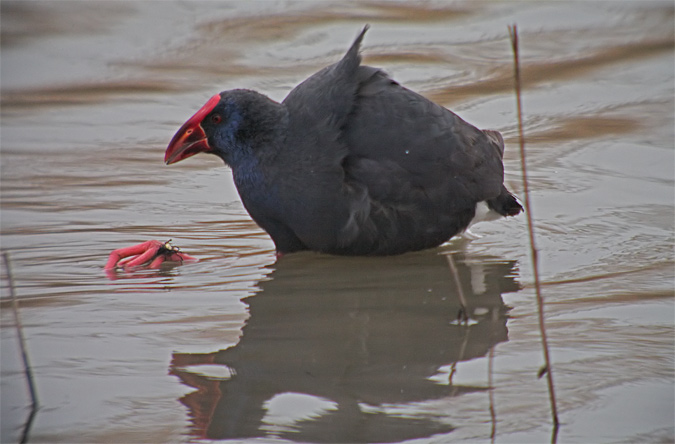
[[505, 204]]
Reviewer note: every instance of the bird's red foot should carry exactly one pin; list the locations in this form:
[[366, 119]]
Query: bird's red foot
[[150, 254]]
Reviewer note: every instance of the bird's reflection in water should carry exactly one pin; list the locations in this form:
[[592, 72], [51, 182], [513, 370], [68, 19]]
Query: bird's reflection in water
[[352, 334]]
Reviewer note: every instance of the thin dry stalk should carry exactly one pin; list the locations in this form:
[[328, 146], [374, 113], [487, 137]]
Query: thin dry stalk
[[24, 354], [463, 314], [491, 395], [513, 33]]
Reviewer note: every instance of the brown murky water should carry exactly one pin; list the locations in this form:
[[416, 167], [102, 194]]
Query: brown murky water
[[326, 349]]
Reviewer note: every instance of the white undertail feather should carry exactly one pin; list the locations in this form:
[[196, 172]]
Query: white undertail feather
[[484, 214]]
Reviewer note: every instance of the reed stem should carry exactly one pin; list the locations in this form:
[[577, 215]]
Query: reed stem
[[513, 33], [24, 353]]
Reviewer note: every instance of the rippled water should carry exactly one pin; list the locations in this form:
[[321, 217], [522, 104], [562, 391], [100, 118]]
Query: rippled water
[[315, 348]]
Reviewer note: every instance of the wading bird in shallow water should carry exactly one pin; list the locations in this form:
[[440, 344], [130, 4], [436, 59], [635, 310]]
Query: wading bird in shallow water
[[352, 163]]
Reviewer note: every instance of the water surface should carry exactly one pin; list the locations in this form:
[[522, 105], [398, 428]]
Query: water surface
[[316, 348]]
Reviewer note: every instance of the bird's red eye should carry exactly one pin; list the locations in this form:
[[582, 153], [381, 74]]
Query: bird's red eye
[[216, 118]]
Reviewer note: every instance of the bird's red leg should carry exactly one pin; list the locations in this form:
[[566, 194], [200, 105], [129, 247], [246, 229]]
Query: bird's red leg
[[182, 257], [171, 257], [149, 255], [153, 252], [156, 262], [123, 262], [116, 256]]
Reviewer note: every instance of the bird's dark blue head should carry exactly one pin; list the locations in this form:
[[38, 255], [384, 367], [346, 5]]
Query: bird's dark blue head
[[231, 125]]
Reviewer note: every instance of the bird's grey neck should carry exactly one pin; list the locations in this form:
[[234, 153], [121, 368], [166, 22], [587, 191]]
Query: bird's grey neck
[[263, 141], [247, 172], [261, 137], [254, 185]]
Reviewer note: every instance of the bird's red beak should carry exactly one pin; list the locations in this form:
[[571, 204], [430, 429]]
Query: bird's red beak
[[190, 138]]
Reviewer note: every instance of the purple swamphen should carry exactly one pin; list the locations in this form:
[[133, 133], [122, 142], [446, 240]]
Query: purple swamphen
[[352, 163]]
